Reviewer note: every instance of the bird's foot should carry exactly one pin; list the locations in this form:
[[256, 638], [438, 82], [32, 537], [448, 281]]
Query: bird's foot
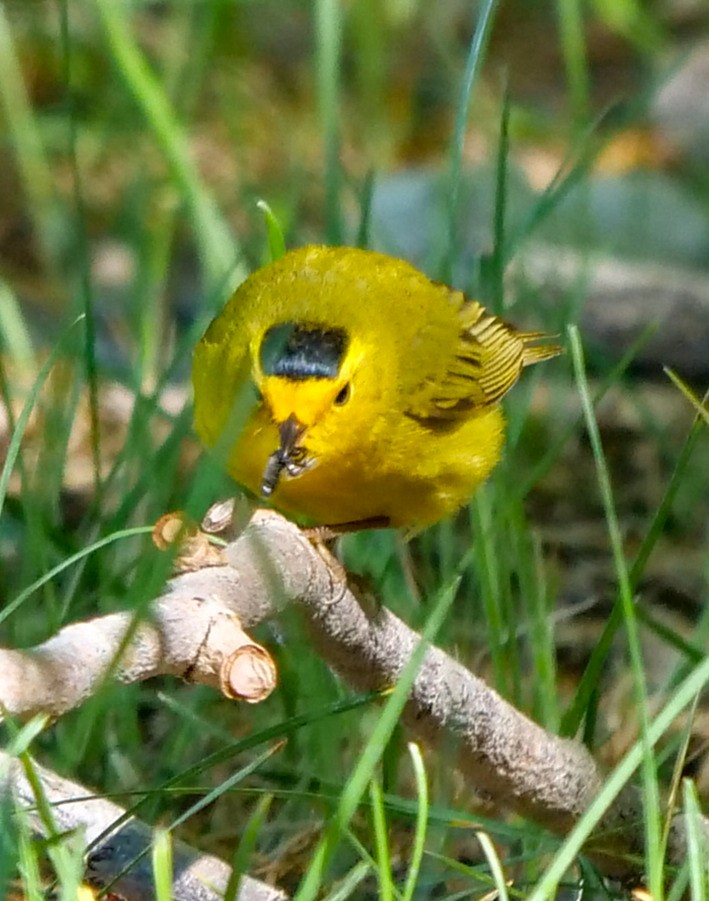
[[328, 534]]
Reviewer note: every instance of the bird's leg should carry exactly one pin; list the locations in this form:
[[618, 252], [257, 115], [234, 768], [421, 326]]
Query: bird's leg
[[323, 538], [328, 534]]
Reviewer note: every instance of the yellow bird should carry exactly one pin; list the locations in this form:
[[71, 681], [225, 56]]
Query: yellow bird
[[375, 391]]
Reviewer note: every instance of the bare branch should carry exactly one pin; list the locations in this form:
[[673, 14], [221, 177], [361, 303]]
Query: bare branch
[[503, 755], [197, 639], [197, 877]]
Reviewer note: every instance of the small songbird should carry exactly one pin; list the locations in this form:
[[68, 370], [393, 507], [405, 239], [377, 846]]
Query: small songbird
[[377, 391]]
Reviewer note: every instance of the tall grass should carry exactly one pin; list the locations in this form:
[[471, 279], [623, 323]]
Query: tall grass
[[344, 775]]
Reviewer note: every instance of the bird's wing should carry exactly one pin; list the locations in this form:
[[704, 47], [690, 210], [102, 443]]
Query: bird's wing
[[486, 362]]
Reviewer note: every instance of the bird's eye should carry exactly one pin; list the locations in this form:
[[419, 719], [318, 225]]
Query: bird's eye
[[343, 395]]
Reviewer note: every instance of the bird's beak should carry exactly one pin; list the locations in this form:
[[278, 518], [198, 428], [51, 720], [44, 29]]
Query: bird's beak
[[290, 431], [289, 456]]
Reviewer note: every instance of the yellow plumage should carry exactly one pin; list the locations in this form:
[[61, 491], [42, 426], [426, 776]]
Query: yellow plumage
[[377, 389]]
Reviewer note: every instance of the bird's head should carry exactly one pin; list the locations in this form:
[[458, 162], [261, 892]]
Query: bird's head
[[305, 378]]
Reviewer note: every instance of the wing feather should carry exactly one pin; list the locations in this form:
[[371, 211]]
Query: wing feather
[[488, 358]]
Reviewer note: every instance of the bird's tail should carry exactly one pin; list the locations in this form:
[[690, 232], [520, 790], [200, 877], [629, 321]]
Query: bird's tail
[[533, 352]]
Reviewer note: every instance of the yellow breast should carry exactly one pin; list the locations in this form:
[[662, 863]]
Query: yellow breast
[[377, 390], [412, 478]]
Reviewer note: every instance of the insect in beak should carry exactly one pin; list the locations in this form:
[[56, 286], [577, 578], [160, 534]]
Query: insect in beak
[[289, 456]]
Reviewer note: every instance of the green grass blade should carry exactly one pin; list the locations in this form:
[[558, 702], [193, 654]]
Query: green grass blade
[[497, 262], [28, 863], [636, 21], [9, 850], [473, 64], [201, 804], [227, 784], [652, 800], [359, 779], [572, 718], [381, 841], [611, 378], [422, 805], [365, 216], [218, 247], [14, 333], [571, 173], [245, 848], [348, 886], [161, 854], [695, 682], [280, 730], [697, 844], [65, 853], [21, 739], [276, 241], [699, 406], [672, 799], [22, 420], [79, 248], [10, 608], [489, 575], [328, 29], [573, 47], [495, 866], [541, 628], [37, 178]]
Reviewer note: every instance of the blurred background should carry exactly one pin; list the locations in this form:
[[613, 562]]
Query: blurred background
[[549, 158]]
